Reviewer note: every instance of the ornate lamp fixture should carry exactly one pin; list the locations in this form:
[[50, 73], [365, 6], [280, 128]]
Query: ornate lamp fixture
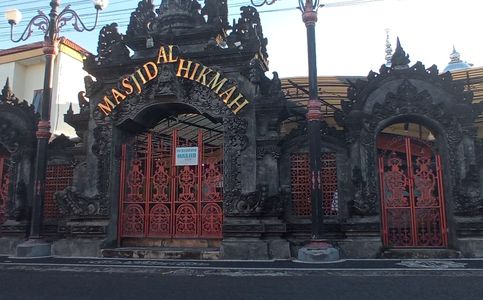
[[50, 25]]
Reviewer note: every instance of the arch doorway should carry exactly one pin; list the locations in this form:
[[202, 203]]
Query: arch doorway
[[411, 188], [172, 180]]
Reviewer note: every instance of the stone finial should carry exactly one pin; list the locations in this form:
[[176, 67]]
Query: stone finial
[[6, 91], [388, 49], [455, 57], [400, 60]]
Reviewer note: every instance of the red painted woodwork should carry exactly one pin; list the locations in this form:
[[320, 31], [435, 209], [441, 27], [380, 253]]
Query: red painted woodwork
[[300, 184], [4, 186], [57, 178], [412, 198], [159, 199]]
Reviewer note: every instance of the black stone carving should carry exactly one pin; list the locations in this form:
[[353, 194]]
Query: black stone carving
[[111, 48], [83, 102], [216, 12], [399, 59], [72, 204], [271, 150], [178, 15], [248, 32], [469, 202], [141, 19], [455, 115]]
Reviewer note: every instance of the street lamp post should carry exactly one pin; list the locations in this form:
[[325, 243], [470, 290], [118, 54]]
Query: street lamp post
[[318, 249], [314, 116], [50, 25]]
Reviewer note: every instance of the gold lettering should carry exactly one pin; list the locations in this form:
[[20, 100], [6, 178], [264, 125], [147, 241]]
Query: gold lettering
[[137, 83], [128, 86], [216, 85], [106, 106], [171, 59], [182, 68], [238, 104], [118, 96], [162, 55], [203, 74], [141, 76], [229, 92], [150, 73], [197, 65]]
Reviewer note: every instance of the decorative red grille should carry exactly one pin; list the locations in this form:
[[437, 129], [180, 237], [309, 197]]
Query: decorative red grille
[[160, 199], [58, 177], [411, 193], [300, 183], [4, 187]]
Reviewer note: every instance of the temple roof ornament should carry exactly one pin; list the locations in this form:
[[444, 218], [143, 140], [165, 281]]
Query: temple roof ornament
[[455, 62], [400, 60], [388, 49]]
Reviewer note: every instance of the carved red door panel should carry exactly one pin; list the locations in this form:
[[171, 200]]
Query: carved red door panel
[[160, 199], [300, 184], [4, 186], [411, 190]]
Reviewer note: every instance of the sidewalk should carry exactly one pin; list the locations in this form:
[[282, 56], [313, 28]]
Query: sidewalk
[[474, 266]]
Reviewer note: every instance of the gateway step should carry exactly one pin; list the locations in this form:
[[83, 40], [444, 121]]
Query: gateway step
[[163, 253]]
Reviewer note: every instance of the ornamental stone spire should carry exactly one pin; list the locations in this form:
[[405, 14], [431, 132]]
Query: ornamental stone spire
[[388, 49], [400, 60]]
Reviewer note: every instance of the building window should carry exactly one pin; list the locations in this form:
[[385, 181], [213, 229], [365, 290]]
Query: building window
[[300, 184], [37, 100]]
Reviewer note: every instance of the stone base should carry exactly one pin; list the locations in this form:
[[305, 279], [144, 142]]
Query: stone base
[[254, 249], [77, 247], [360, 247], [318, 251], [34, 248], [471, 247], [8, 245], [162, 253]]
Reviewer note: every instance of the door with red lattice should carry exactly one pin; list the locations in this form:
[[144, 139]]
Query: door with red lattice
[[411, 189], [171, 187]]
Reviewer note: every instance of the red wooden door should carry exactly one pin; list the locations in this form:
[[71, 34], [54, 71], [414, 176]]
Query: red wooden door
[[162, 198], [411, 188]]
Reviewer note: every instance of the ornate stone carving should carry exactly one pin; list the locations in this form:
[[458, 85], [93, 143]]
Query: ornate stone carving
[[111, 48], [363, 123], [83, 102], [9, 136], [72, 204], [255, 203], [177, 15], [399, 60], [272, 150], [248, 32], [141, 19], [470, 201], [216, 12]]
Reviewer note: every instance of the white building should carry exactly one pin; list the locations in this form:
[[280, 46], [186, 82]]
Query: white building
[[25, 66]]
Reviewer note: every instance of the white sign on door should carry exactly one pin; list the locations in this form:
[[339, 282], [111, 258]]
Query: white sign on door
[[187, 156]]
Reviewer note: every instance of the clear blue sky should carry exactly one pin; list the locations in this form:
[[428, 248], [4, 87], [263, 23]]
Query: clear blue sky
[[350, 38]]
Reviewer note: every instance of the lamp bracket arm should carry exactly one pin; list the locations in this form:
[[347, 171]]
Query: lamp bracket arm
[[41, 21], [67, 15]]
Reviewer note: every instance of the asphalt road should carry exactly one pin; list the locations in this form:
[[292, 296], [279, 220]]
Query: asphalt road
[[16, 284], [63, 278]]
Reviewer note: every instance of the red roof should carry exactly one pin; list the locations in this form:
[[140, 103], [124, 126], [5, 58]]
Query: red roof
[[38, 45]]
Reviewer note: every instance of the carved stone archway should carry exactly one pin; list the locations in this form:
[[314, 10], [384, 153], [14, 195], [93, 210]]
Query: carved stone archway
[[168, 90], [412, 94]]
